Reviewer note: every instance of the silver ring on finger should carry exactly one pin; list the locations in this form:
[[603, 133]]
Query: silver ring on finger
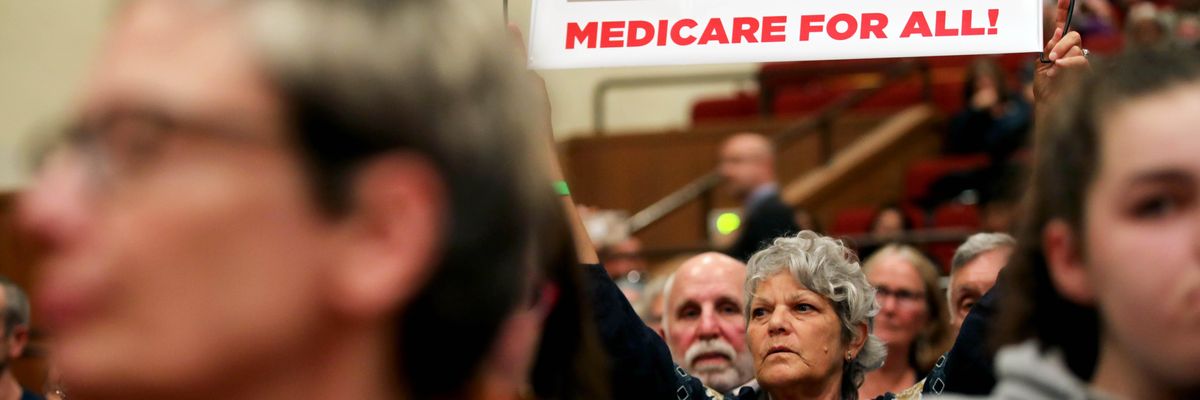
[[1086, 53]]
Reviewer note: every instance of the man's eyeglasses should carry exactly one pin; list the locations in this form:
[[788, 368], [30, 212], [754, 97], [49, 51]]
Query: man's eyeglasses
[[123, 144]]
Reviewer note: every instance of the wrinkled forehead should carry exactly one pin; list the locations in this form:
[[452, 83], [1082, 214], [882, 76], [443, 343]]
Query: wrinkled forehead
[[783, 284], [179, 57]]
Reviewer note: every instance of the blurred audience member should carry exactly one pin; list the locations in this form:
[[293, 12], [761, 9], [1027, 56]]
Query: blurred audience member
[[624, 259], [997, 215], [620, 252], [16, 337], [704, 322], [358, 259], [973, 272], [806, 221], [747, 167], [651, 305], [994, 120], [1095, 17], [1187, 31], [912, 319], [1100, 297], [889, 224], [1147, 28]]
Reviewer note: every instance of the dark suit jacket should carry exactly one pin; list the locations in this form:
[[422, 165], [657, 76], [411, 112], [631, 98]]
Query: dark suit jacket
[[968, 367], [768, 219]]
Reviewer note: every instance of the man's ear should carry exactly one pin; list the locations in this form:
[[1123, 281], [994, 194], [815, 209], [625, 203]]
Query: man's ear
[[17, 340], [1064, 260], [392, 235]]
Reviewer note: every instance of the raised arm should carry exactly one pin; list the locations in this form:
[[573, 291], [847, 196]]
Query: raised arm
[[1064, 50], [640, 364]]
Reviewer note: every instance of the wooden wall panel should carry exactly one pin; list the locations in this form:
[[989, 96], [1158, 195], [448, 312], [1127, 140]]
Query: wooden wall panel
[[631, 171]]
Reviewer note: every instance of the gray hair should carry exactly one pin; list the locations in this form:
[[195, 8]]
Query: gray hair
[[16, 306], [977, 244], [653, 290], [827, 267], [666, 302]]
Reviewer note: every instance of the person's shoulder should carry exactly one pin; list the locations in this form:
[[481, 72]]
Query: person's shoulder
[[773, 208]]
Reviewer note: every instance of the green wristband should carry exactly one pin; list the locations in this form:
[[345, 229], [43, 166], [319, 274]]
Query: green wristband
[[561, 188]]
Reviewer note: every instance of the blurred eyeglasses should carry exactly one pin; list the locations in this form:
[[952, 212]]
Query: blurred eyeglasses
[[902, 296], [119, 146]]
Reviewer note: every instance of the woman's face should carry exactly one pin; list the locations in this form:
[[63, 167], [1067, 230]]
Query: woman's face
[[901, 296], [1142, 235], [888, 223], [795, 335]]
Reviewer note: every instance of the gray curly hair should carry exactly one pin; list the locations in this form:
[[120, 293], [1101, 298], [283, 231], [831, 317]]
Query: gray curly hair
[[827, 267]]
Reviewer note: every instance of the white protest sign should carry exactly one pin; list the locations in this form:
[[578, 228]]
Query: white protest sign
[[604, 33]]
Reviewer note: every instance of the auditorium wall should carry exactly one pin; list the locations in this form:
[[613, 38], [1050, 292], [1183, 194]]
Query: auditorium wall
[[45, 47]]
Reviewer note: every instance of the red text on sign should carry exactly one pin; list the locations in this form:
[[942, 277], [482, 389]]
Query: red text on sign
[[684, 32]]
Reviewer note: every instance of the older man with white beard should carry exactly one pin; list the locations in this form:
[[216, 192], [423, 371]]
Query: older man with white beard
[[703, 323]]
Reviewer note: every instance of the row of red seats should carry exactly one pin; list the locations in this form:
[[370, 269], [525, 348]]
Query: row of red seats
[[917, 181], [799, 94], [857, 221]]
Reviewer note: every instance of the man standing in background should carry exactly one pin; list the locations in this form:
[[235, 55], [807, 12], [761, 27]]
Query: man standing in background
[[747, 167]]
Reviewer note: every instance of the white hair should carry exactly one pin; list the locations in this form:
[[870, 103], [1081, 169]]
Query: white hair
[[651, 292], [827, 267], [972, 248], [666, 301], [977, 244]]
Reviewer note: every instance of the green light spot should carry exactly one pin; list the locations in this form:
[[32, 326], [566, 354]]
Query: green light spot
[[728, 222]]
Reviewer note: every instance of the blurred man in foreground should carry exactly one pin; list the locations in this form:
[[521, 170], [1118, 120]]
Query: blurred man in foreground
[[704, 325], [973, 272], [747, 167], [282, 200]]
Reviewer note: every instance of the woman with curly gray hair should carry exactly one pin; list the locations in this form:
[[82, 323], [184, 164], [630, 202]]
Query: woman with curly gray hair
[[809, 310]]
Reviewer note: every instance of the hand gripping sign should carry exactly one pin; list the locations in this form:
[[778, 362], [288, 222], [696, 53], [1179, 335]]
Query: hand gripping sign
[[606, 33]]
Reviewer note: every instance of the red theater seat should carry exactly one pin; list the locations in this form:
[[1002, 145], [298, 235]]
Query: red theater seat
[[852, 221], [803, 100], [955, 215], [922, 174], [952, 215], [915, 215], [740, 105]]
